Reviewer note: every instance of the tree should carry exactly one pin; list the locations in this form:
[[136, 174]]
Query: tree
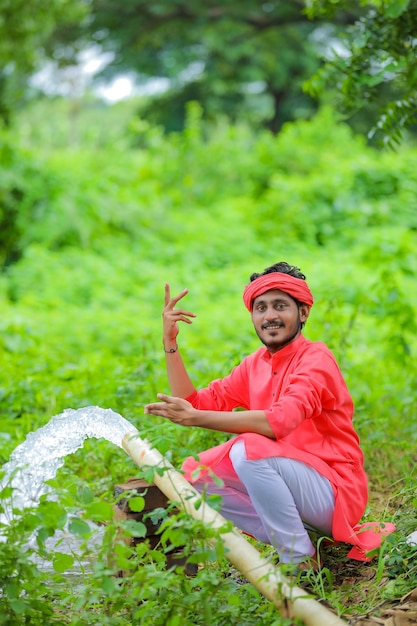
[[26, 27], [231, 56], [378, 66]]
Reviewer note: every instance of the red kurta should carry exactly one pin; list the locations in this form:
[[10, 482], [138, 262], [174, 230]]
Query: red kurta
[[310, 410]]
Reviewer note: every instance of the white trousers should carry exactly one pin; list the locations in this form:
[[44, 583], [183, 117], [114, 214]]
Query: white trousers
[[275, 500]]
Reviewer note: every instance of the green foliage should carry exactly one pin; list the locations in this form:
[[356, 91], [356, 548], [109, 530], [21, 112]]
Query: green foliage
[[25, 30], [378, 65], [29, 30], [242, 61], [152, 590], [23, 591], [23, 184], [96, 231]]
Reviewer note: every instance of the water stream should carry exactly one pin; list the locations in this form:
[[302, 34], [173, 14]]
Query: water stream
[[39, 457]]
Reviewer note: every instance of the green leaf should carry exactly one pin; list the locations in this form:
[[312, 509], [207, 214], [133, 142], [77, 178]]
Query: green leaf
[[196, 473], [86, 495], [108, 585], [6, 493], [215, 501], [394, 8], [198, 503], [79, 527], [137, 504], [18, 606], [62, 562], [218, 481], [100, 511], [12, 590], [134, 528]]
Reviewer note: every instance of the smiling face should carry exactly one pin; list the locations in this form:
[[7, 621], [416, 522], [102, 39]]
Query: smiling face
[[277, 319]]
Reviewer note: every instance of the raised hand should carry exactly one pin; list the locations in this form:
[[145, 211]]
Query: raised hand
[[171, 316]]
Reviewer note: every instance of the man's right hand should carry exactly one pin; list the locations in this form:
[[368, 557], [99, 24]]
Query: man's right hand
[[171, 316]]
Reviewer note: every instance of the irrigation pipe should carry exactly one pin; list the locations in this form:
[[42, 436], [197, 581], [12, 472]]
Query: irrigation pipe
[[290, 600]]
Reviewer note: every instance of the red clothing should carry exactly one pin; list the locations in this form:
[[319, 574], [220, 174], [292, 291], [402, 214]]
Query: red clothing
[[310, 410]]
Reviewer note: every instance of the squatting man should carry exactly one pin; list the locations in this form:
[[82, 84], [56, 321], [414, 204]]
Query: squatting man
[[295, 462]]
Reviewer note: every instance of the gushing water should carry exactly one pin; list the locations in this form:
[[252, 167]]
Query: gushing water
[[39, 457]]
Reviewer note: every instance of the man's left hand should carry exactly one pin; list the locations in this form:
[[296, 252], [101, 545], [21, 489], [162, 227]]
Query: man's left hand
[[177, 410]]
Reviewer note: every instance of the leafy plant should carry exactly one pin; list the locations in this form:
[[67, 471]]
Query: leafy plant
[[98, 232]]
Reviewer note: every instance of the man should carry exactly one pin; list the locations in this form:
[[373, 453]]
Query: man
[[296, 463]]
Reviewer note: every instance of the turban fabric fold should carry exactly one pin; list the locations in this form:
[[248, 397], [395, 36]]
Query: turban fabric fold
[[295, 287]]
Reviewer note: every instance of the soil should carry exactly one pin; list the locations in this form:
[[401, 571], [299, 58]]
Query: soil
[[357, 584]]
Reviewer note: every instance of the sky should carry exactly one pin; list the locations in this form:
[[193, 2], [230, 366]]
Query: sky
[[76, 80]]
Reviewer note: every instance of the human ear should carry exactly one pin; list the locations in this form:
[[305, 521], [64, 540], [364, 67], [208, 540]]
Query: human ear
[[304, 312]]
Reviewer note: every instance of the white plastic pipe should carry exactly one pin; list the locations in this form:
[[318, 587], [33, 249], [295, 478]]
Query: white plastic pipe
[[291, 601]]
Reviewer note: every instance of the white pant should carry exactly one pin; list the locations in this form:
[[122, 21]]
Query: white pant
[[274, 499]]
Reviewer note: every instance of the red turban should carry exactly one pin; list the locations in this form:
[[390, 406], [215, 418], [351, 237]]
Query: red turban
[[295, 287]]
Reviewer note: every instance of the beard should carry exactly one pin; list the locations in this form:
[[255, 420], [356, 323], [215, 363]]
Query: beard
[[275, 344]]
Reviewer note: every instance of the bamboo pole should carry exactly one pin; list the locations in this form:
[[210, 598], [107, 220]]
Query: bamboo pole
[[290, 600]]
